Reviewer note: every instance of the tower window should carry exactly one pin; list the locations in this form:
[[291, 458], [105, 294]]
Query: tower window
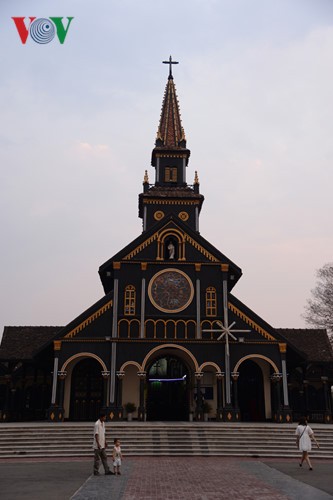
[[129, 302], [170, 174], [210, 301]]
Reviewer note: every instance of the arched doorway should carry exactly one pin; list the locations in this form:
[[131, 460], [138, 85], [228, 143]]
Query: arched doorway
[[167, 389], [251, 392], [86, 390]]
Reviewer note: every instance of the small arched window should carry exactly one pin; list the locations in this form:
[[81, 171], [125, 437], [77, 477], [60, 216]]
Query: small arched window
[[170, 174], [129, 300], [211, 301]]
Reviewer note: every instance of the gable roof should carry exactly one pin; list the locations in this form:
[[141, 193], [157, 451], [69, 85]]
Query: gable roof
[[147, 237], [23, 342], [312, 343]]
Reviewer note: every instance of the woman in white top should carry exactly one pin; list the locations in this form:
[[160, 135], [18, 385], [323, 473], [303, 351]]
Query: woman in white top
[[304, 436]]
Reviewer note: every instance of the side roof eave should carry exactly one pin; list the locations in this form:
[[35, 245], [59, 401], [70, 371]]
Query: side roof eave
[[103, 303], [41, 336], [252, 319], [309, 356]]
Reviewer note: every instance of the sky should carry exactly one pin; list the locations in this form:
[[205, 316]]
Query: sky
[[78, 123]]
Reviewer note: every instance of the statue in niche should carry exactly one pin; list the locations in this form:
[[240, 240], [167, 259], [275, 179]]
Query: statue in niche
[[171, 250]]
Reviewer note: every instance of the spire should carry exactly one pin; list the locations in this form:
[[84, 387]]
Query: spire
[[146, 178], [170, 133], [170, 195], [196, 183]]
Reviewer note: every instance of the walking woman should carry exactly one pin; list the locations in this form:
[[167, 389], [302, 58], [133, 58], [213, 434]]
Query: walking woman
[[304, 436]]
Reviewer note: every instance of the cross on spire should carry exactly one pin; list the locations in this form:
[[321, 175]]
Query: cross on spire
[[170, 62]]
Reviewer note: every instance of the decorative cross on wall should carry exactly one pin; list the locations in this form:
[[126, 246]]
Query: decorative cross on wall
[[226, 331]]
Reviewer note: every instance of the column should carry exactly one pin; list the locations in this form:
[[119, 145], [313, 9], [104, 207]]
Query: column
[[113, 374], [198, 409], [60, 395], [285, 414], [114, 334], [55, 379], [145, 218], [143, 301], [224, 272], [197, 219], [327, 413], [13, 410], [234, 376], [106, 376], [276, 379], [219, 382], [120, 376], [6, 410], [157, 170], [56, 412], [142, 409], [198, 300], [301, 408], [283, 350], [112, 395], [306, 396]]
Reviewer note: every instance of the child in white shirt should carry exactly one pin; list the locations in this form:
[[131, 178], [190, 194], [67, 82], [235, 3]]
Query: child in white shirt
[[117, 456]]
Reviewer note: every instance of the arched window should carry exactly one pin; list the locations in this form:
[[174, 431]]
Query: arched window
[[210, 301], [129, 302]]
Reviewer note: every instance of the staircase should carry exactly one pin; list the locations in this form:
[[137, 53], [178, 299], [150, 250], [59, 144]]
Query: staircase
[[50, 440]]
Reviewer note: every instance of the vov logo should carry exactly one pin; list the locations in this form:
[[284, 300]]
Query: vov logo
[[42, 30]]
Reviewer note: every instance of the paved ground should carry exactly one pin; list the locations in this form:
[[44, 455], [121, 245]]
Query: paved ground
[[167, 478]]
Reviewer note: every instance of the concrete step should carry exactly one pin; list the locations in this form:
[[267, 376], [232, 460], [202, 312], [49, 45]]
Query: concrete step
[[39, 440], [162, 453]]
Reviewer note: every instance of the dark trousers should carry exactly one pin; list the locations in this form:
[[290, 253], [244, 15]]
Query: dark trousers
[[100, 454]]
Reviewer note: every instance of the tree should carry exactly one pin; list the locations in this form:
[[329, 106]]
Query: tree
[[319, 308]]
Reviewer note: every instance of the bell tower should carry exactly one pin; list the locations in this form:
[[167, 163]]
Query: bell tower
[[170, 194]]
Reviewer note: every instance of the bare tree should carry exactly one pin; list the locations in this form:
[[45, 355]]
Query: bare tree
[[319, 308]]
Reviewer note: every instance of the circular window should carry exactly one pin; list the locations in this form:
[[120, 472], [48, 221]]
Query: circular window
[[183, 216], [158, 215], [170, 290]]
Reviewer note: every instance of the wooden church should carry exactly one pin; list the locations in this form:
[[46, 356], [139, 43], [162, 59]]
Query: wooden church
[[168, 335]]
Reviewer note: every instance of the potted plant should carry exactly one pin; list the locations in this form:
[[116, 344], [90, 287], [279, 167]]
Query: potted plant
[[130, 409], [206, 408]]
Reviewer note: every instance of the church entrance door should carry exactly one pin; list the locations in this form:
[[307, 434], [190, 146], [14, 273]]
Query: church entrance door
[[168, 390], [251, 392], [86, 390]]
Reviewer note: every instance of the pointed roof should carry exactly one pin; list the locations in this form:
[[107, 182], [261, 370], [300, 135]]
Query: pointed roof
[[170, 133]]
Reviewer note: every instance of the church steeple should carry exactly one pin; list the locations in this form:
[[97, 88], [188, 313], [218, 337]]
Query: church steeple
[[170, 195], [170, 133], [170, 156]]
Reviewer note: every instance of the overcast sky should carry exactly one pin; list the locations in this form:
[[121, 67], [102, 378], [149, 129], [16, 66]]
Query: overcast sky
[[78, 123]]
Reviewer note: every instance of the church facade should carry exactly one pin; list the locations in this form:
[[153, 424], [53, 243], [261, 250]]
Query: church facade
[[168, 335]]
